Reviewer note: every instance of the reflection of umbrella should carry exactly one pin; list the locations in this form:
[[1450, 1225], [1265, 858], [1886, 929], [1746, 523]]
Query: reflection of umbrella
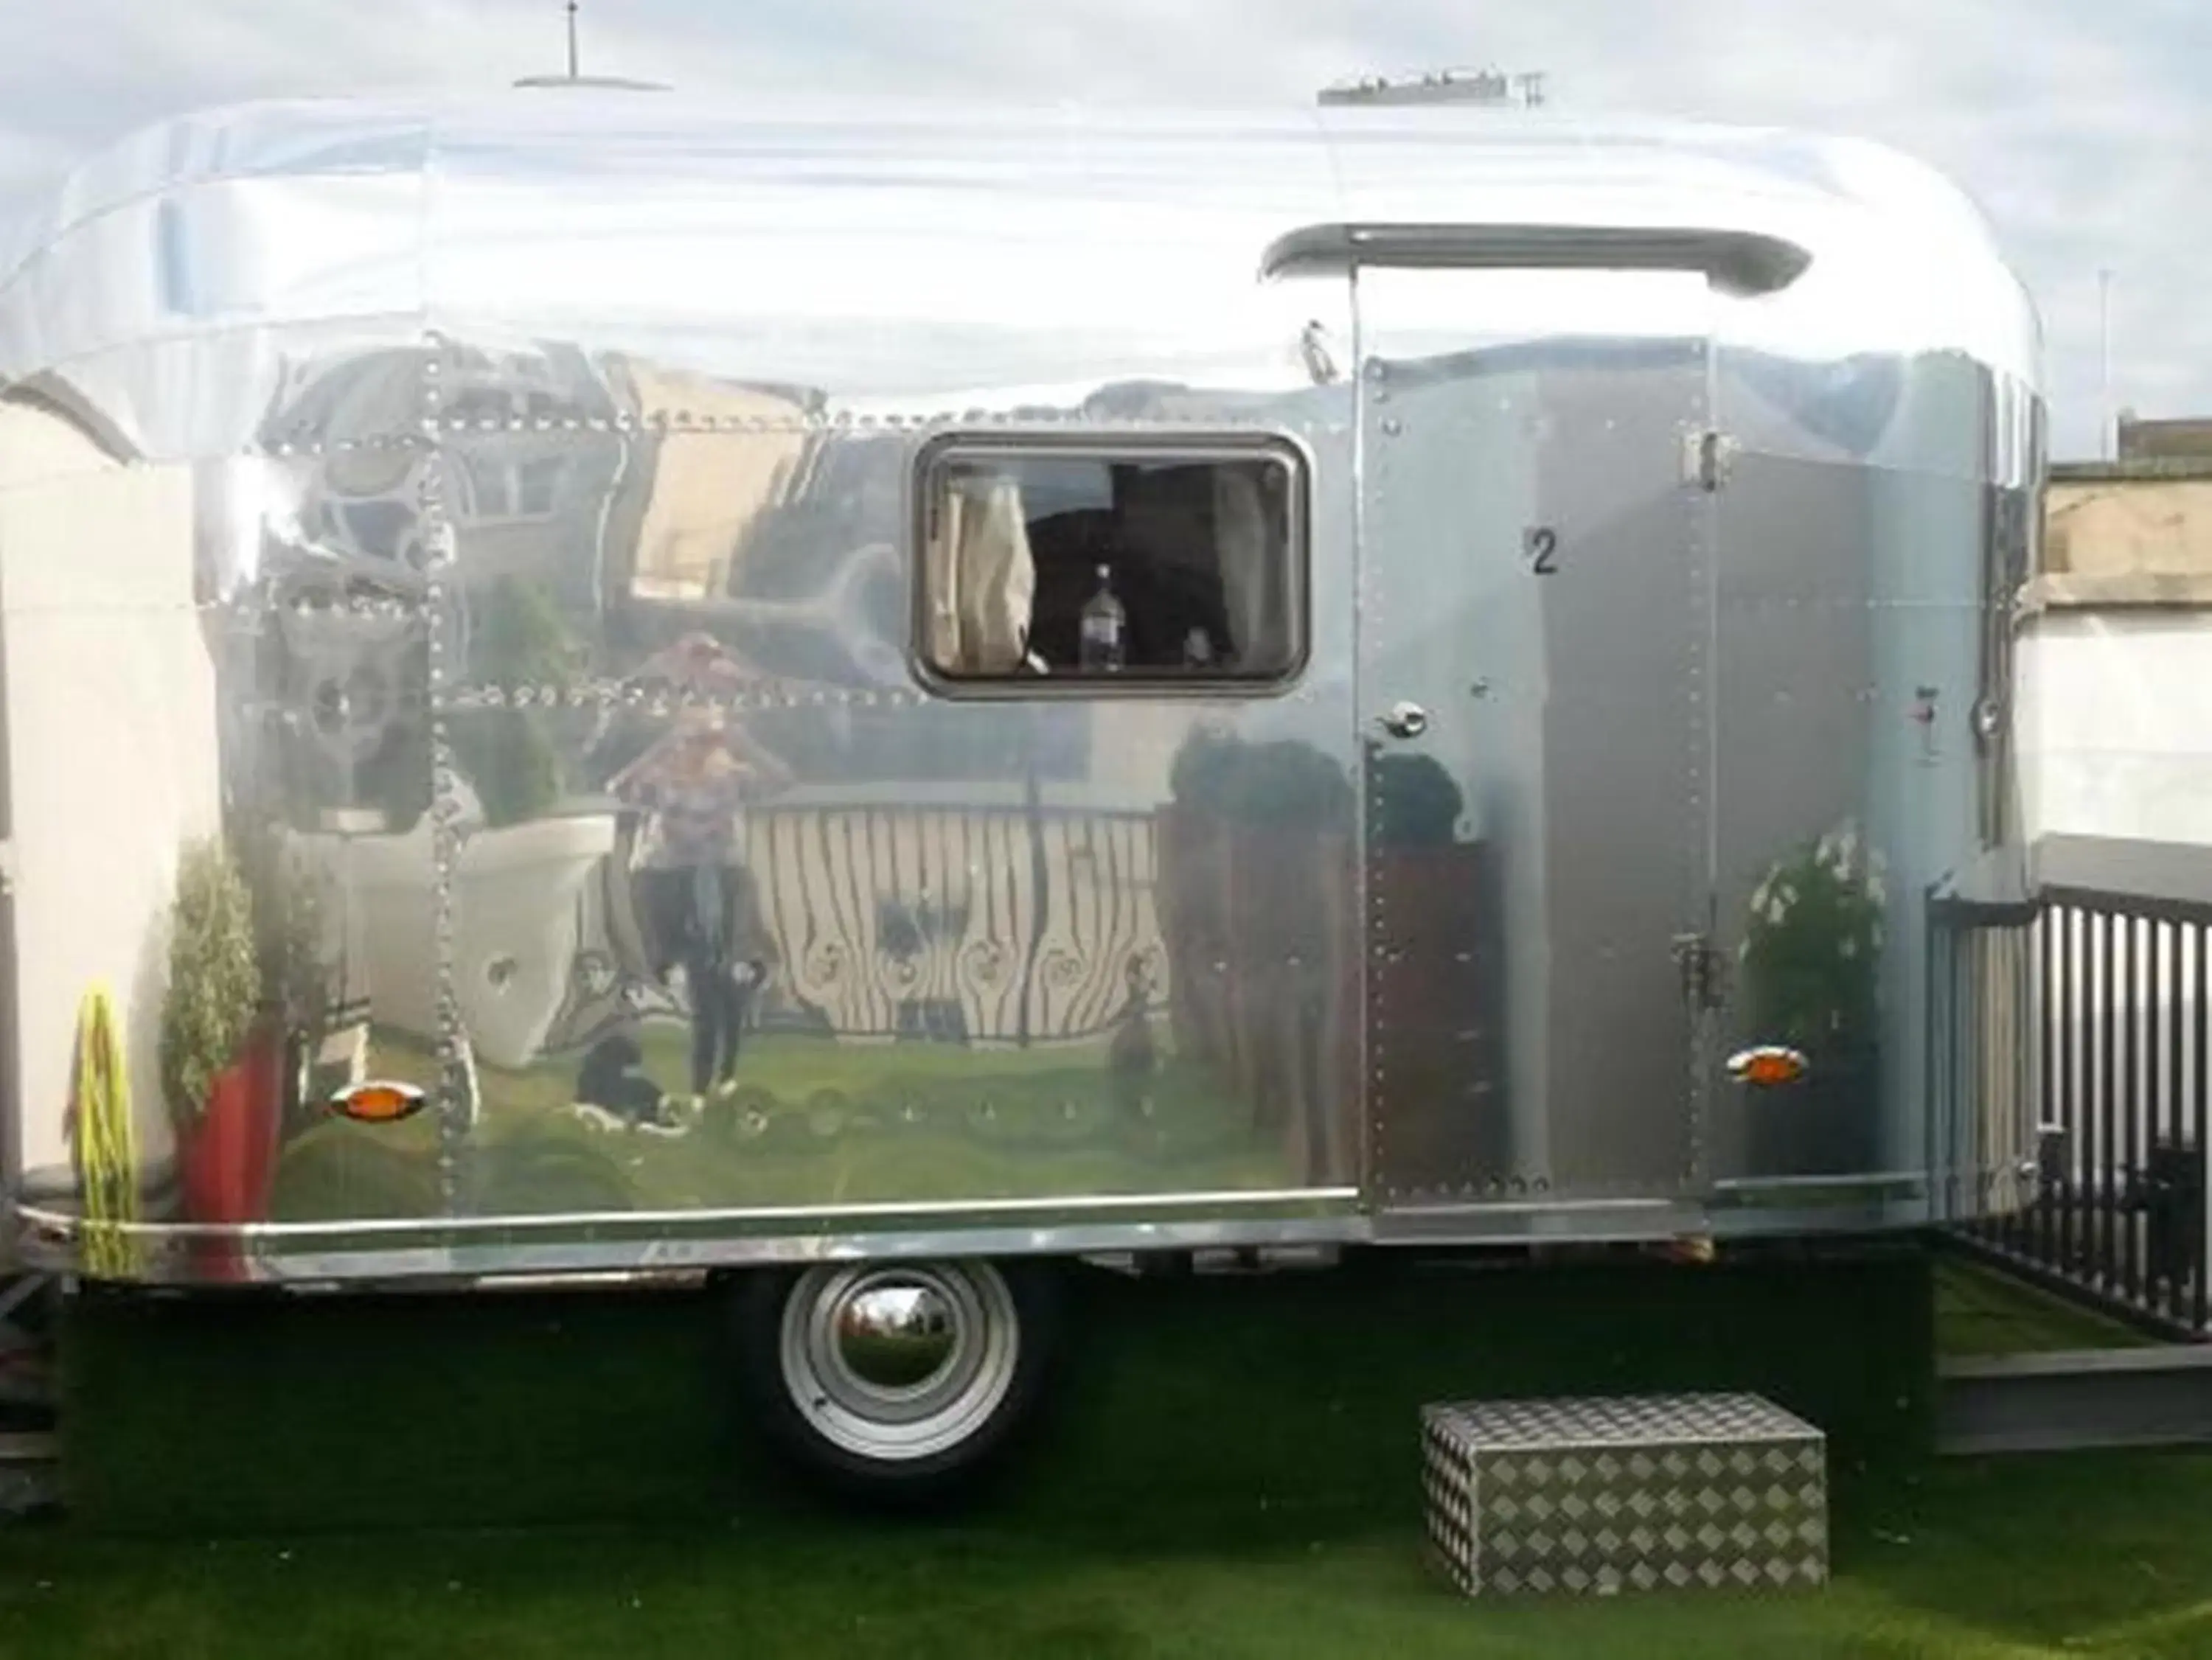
[[700, 663], [703, 665]]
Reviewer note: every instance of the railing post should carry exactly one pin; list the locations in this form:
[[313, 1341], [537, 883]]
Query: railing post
[[2108, 1089], [2043, 1220], [2131, 1106], [2199, 1141], [2069, 1102]]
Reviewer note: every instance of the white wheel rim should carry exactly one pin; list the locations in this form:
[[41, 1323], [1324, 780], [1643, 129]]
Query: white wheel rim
[[894, 1420]]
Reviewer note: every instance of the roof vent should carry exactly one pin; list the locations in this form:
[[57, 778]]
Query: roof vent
[[535, 82], [1492, 88]]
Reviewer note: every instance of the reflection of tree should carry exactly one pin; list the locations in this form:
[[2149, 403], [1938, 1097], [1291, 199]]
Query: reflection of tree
[[1257, 912], [519, 640], [1434, 996], [1418, 804], [1287, 784], [1813, 947], [1811, 968]]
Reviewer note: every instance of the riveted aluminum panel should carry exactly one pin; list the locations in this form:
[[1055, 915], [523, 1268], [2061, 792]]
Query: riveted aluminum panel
[[344, 392], [1531, 578], [1867, 568]]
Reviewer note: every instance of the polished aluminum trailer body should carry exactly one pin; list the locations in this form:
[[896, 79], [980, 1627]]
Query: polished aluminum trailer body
[[1613, 529]]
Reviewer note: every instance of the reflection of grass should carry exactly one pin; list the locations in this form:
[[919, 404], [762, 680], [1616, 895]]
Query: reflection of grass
[[403, 1060], [811, 1123], [788, 1064], [344, 1170], [341, 1169], [892, 1362]]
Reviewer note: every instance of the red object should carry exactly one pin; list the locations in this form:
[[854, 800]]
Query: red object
[[228, 1156]]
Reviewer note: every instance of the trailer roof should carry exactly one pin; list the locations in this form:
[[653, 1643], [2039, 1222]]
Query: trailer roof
[[537, 210]]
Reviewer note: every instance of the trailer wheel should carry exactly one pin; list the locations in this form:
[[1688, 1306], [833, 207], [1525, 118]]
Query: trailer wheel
[[897, 1382]]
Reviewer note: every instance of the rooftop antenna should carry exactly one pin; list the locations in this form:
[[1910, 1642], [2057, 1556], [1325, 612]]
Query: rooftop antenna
[[2108, 440], [576, 77]]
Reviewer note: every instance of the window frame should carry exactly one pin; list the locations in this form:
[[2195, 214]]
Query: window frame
[[507, 474], [1195, 446]]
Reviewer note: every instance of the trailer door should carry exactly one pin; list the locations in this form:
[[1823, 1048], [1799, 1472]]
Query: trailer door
[[1533, 630], [1872, 530]]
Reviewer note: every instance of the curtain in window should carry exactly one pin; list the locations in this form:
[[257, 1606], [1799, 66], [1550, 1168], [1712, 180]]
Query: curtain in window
[[1251, 582], [982, 576]]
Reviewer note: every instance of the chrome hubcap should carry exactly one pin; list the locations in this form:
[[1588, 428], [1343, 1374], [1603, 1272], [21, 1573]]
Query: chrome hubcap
[[895, 1336], [900, 1362]]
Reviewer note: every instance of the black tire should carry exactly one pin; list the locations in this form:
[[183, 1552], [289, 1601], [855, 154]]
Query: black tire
[[779, 1318]]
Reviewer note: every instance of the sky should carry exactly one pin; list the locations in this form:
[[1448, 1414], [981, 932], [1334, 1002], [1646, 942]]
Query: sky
[[2076, 127]]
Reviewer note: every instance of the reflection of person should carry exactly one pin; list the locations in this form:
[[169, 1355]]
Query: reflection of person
[[689, 879], [697, 662], [611, 1092], [1132, 1057]]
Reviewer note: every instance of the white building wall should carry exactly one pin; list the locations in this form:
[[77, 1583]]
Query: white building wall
[[2116, 724], [111, 738]]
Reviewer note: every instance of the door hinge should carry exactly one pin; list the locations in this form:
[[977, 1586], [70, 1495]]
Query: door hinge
[[1707, 457], [1702, 968]]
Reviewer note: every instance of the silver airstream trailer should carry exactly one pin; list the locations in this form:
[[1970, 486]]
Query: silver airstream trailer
[[873, 698]]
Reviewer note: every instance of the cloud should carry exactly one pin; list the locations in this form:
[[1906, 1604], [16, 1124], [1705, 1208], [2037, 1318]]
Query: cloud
[[2076, 128]]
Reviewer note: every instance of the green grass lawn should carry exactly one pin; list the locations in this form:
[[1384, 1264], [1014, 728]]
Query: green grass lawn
[[1231, 1470], [1980, 1313], [2081, 1555]]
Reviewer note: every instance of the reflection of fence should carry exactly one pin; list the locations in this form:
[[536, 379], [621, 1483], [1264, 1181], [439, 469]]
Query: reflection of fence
[[2120, 1044], [983, 925]]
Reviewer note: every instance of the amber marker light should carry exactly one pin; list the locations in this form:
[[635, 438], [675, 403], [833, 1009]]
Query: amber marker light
[[380, 1103], [1767, 1066]]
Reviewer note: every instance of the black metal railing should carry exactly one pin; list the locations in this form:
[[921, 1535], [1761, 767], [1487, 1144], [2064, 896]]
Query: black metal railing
[[2117, 1032]]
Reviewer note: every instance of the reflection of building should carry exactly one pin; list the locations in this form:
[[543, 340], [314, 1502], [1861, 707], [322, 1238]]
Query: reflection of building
[[544, 476], [342, 547], [704, 492], [2116, 644]]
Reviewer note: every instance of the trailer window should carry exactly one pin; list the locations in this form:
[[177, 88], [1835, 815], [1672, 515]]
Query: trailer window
[[1095, 567]]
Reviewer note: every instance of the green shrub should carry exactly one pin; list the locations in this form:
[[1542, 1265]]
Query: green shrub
[[215, 977]]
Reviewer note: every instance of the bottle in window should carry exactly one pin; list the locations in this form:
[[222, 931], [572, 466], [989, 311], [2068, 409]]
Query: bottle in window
[[1105, 627]]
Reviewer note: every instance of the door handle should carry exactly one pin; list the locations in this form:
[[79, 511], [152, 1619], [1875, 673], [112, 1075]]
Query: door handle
[[1405, 720]]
